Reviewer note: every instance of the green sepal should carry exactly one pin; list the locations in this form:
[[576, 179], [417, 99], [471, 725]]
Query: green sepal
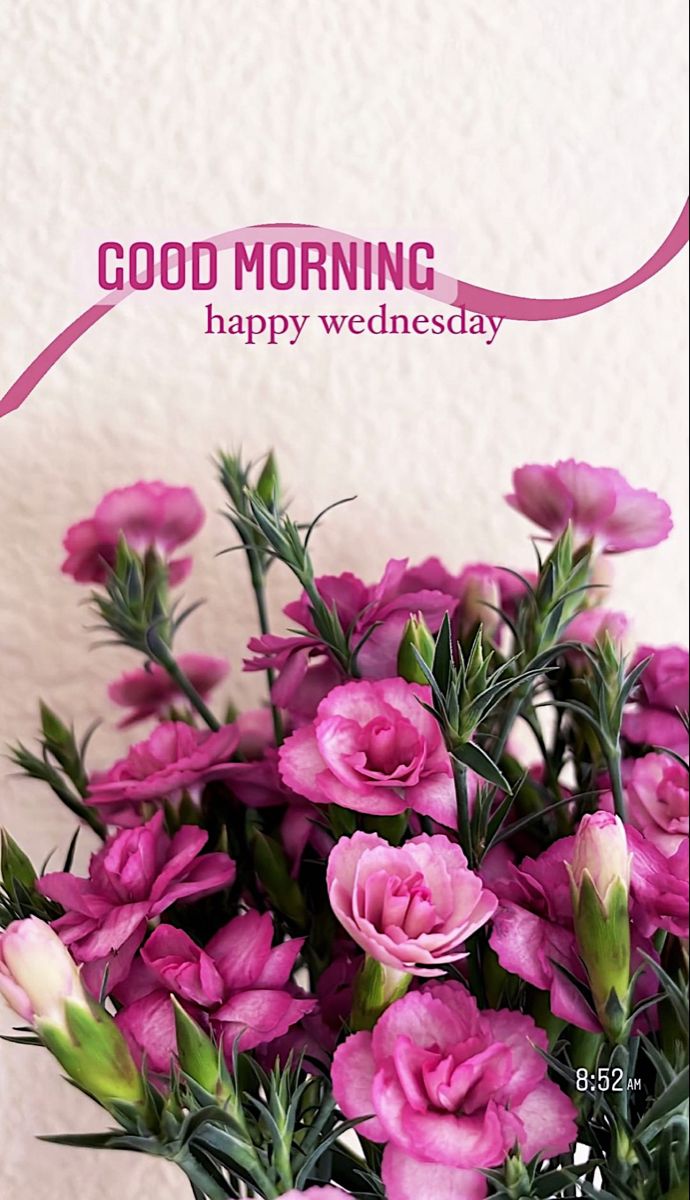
[[273, 870], [94, 1053], [602, 926], [392, 828], [417, 644], [376, 988], [199, 1058]]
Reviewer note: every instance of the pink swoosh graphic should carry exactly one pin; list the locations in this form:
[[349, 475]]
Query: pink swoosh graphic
[[446, 289]]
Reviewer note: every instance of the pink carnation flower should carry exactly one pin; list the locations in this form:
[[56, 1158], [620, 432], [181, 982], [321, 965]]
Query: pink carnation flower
[[238, 986], [657, 790], [150, 516], [150, 692], [451, 1090], [410, 907], [663, 691], [174, 758], [593, 624], [133, 879], [375, 749], [598, 502], [377, 612], [533, 925]]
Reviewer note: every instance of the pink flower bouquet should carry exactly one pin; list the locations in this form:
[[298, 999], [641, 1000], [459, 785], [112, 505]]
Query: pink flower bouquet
[[416, 927]]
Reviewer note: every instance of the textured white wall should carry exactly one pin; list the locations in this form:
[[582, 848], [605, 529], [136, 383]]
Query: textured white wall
[[544, 143]]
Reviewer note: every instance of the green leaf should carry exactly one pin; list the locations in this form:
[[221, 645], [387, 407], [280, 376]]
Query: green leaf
[[671, 1098], [443, 655], [479, 761], [15, 867]]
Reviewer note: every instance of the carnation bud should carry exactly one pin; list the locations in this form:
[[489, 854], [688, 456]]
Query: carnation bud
[[516, 1178], [37, 972], [417, 636], [41, 982], [600, 882], [268, 485], [601, 848], [199, 1058], [481, 597]]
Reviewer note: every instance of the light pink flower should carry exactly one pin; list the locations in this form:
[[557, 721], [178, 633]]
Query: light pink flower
[[482, 589], [134, 878], [150, 516], [175, 757], [601, 850], [598, 502], [375, 612], [37, 972], [451, 1087], [238, 986], [410, 907], [657, 791], [150, 692], [533, 925], [373, 748], [663, 690]]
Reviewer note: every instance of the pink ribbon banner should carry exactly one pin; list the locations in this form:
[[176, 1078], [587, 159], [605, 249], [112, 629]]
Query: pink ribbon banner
[[447, 289]]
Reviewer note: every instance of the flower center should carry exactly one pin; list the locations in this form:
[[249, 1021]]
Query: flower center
[[390, 749]]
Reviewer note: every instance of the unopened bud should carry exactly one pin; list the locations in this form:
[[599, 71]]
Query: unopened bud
[[416, 637], [268, 485], [41, 982], [481, 596], [600, 883]]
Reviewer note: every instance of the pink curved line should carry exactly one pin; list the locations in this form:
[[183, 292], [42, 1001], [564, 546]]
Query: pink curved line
[[446, 288]]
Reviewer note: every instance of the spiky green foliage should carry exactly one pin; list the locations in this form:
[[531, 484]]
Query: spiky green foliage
[[270, 1131], [60, 762]]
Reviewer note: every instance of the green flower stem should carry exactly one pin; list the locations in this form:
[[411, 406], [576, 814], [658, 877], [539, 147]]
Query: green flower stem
[[613, 762], [680, 1192], [258, 580], [511, 715], [462, 796], [161, 654]]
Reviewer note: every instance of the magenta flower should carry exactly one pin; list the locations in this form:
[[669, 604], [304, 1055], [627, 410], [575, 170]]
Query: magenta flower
[[664, 683], [657, 791], [663, 691], [598, 502], [377, 612], [533, 925], [375, 749], [255, 727], [174, 758], [150, 692], [150, 516], [593, 624], [451, 1090], [410, 907], [133, 879], [238, 987]]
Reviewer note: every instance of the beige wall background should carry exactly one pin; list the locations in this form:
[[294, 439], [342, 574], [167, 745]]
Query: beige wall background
[[543, 144]]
